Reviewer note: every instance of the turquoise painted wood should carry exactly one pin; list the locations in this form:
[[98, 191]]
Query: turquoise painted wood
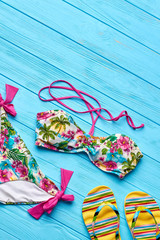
[[109, 48]]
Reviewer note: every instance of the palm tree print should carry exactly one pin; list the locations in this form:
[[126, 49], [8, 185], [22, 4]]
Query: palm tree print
[[130, 164], [127, 165], [46, 132], [60, 123]]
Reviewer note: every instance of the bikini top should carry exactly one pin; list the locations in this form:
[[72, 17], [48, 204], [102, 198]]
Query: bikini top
[[57, 130], [21, 180]]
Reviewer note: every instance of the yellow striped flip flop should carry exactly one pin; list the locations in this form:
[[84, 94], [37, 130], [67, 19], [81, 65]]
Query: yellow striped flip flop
[[100, 214], [143, 216]]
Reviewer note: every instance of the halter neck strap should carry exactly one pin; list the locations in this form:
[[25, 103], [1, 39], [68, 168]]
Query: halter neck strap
[[90, 107], [6, 104]]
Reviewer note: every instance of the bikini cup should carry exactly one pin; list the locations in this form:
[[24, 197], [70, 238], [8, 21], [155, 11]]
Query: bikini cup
[[57, 130], [21, 180]]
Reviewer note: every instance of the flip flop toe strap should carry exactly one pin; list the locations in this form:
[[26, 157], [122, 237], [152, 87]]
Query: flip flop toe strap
[[104, 204], [138, 210]]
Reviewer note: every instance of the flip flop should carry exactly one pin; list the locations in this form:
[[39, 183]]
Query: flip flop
[[143, 216], [100, 214]]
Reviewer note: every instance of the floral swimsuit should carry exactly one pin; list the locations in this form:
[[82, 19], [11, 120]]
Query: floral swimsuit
[[116, 153], [21, 180], [57, 130]]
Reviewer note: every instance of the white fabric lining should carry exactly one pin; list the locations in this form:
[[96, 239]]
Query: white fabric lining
[[22, 192]]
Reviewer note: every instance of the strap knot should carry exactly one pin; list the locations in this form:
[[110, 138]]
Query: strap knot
[[59, 195], [91, 108], [47, 206], [6, 104]]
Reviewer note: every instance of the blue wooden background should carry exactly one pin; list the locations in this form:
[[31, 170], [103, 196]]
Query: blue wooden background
[[110, 49]]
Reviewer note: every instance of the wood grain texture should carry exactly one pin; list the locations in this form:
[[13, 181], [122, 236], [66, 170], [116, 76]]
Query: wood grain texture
[[97, 46], [89, 65], [123, 17], [86, 32], [147, 7]]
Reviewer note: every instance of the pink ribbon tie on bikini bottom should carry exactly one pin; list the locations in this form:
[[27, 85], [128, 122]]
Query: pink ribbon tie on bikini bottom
[[10, 93], [48, 205]]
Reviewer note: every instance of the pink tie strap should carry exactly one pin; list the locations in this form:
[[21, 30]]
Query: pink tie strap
[[90, 107], [48, 205], [10, 93]]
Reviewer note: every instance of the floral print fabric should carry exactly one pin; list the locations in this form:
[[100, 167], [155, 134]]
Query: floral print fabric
[[16, 161], [116, 153]]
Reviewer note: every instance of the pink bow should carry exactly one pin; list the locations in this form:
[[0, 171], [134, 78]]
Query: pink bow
[[10, 93], [48, 205]]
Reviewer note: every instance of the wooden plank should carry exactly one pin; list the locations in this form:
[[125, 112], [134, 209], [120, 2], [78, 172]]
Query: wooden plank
[[124, 18], [94, 36], [147, 7], [32, 73], [19, 223], [6, 235], [85, 66]]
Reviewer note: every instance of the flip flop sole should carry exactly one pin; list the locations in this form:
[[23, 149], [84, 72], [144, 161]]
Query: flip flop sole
[[145, 228], [106, 223]]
